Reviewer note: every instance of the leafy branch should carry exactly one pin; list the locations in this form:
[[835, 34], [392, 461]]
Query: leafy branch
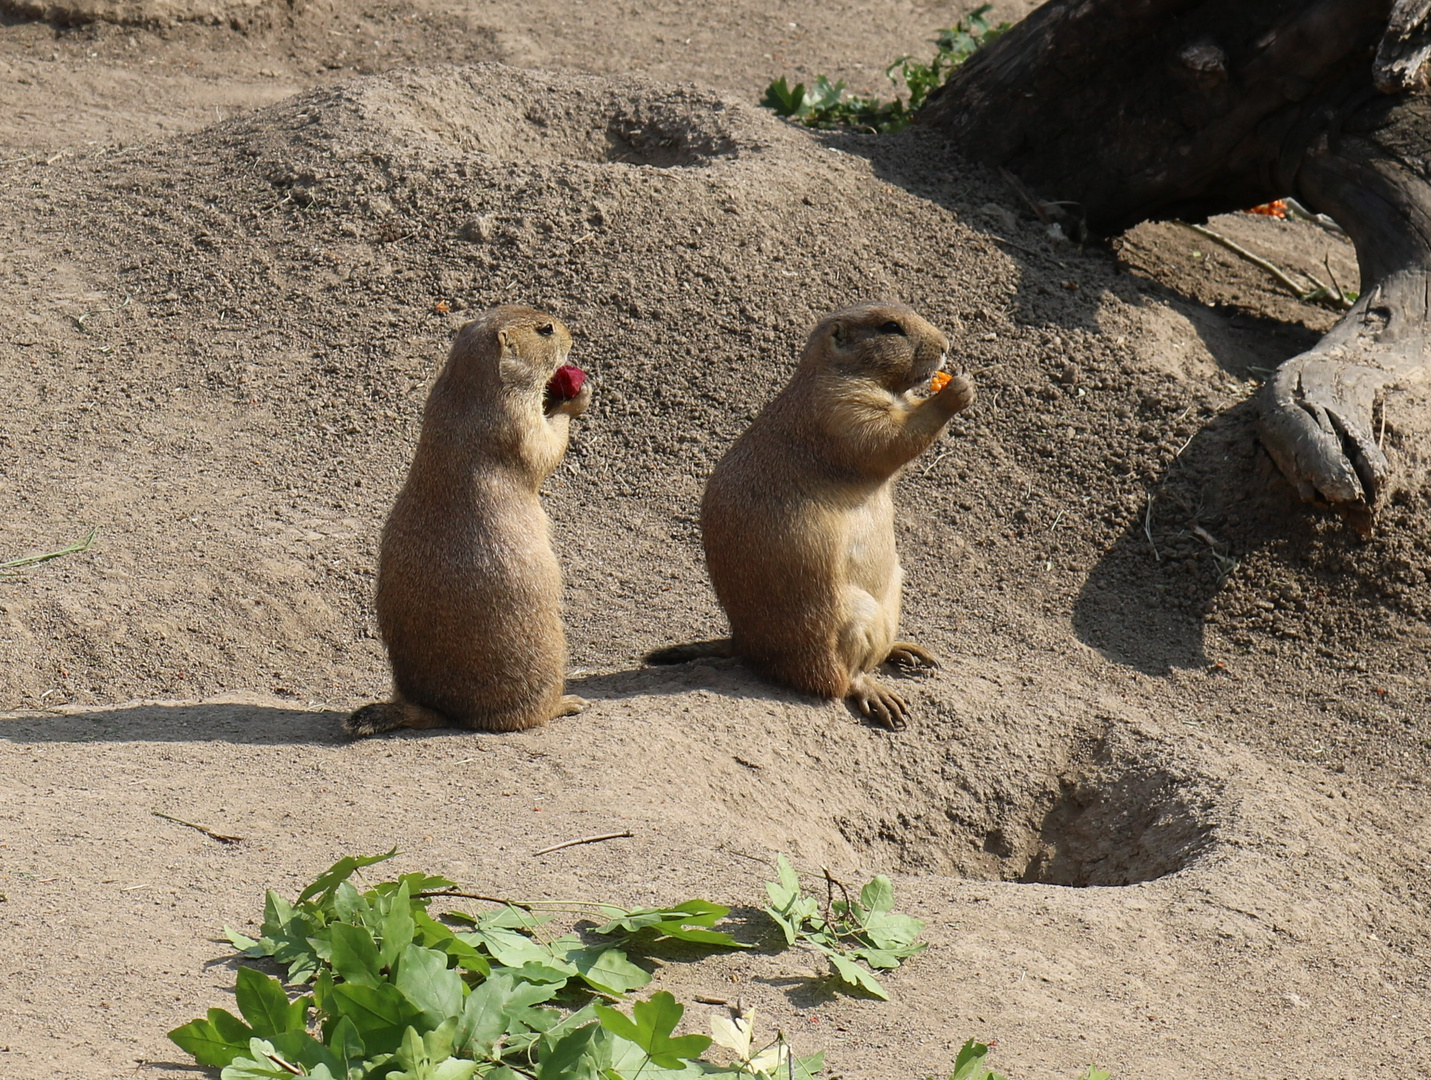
[[867, 929], [828, 106]]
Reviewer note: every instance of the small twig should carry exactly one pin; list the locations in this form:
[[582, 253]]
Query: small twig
[[1206, 537], [1256, 260], [928, 468], [220, 837], [1010, 243], [1342, 298], [1057, 519], [583, 840], [1148, 527], [1381, 434]]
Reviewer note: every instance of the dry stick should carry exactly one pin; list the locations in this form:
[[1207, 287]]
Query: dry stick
[[1256, 260], [584, 840], [220, 837]]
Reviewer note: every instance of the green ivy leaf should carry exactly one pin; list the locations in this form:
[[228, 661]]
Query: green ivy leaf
[[969, 1064], [852, 974], [675, 922], [500, 1007], [265, 1005], [425, 980], [606, 969], [214, 1042], [576, 1055], [397, 926], [431, 934], [263, 1063], [380, 1013], [654, 1020], [355, 955], [327, 882], [878, 895]]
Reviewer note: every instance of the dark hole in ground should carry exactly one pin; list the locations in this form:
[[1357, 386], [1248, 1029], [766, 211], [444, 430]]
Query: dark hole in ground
[[1135, 828]]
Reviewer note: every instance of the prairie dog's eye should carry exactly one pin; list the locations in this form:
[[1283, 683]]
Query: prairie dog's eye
[[546, 330], [891, 327]]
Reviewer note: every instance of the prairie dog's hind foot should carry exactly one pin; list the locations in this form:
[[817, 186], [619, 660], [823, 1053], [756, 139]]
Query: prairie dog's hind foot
[[383, 716], [910, 658], [877, 702], [570, 705]]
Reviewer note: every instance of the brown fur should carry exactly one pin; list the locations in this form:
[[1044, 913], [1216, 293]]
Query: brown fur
[[469, 590], [798, 519]]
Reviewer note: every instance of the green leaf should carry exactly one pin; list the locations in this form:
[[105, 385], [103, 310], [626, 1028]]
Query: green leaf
[[499, 1007], [425, 980], [397, 926], [606, 969], [262, 1063], [1093, 1072], [300, 1048], [327, 882], [416, 884], [575, 1056], [878, 895], [286, 932], [431, 934], [346, 1042], [380, 1013], [969, 1064], [508, 947], [213, 1042], [852, 974], [675, 922], [355, 955], [265, 1005], [654, 1020]]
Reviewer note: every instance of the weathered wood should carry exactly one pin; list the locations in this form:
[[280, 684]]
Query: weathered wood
[[1120, 111]]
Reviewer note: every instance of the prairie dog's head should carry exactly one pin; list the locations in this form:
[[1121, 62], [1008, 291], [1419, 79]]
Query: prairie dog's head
[[879, 341], [510, 350]]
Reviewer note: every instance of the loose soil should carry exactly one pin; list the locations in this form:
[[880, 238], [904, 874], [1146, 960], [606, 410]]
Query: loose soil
[[1165, 805]]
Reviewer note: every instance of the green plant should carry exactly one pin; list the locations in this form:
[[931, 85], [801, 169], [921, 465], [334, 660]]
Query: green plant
[[11, 569], [396, 992], [969, 1065], [827, 105], [847, 931]]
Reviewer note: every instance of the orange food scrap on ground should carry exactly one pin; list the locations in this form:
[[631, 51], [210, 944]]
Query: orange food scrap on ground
[[939, 381], [1275, 208], [442, 307]]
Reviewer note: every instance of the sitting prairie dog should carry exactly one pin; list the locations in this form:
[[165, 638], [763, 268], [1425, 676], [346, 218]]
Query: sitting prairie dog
[[469, 590], [798, 519]]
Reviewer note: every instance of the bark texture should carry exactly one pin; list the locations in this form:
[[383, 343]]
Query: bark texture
[[1120, 111]]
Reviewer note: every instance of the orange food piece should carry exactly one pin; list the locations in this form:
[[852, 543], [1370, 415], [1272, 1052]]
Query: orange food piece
[[1275, 208], [938, 381]]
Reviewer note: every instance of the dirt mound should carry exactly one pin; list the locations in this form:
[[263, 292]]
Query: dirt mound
[[217, 348], [240, 14]]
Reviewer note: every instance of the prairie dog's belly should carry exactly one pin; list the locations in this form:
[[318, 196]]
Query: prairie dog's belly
[[870, 599], [871, 562]]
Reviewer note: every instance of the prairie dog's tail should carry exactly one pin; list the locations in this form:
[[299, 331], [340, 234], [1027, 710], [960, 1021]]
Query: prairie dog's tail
[[695, 650], [384, 716]]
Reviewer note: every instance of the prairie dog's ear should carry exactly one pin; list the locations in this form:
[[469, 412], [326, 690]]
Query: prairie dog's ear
[[504, 341], [840, 333]]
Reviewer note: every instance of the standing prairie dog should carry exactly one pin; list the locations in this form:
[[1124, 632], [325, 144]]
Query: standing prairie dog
[[469, 590], [798, 519]]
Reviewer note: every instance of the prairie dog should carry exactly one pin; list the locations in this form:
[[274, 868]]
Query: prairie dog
[[798, 519], [469, 590]]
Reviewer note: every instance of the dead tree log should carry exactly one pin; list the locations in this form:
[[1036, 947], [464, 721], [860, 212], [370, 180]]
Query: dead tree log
[[1121, 111]]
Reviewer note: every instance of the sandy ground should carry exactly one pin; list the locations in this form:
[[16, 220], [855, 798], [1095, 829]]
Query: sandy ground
[[1164, 806]]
